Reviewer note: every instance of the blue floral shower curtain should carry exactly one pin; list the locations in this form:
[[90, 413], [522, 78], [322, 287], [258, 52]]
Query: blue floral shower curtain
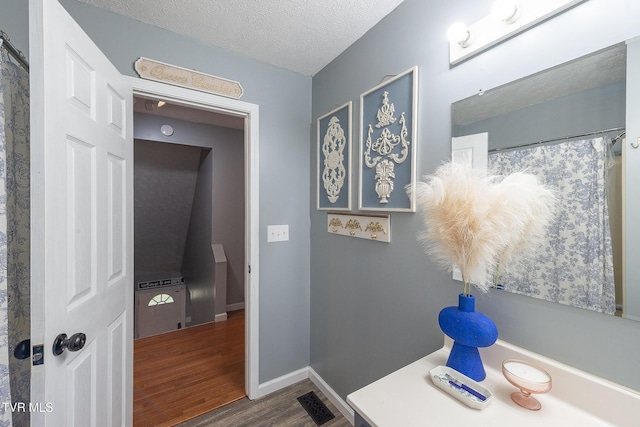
[[14, 239], [575, 265]]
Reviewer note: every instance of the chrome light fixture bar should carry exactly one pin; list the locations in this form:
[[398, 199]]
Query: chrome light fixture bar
[[508, 18]]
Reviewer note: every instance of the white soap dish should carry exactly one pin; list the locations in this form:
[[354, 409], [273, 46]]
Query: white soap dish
[[461, 387]]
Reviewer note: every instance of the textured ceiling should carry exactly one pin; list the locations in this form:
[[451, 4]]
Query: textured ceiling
[[299, 35], [591, 71], [187, 114]]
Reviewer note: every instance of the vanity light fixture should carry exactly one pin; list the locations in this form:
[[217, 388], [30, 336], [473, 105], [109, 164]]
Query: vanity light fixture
[[506, 11], [507, 19], [459, 33]]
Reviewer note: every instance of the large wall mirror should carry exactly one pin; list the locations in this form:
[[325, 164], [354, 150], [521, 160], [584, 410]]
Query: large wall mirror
[[567, 125]]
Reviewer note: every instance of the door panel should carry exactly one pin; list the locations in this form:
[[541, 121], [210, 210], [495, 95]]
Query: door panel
[[80, 222], [81, 83], [116, 192], [117, 403], [82, 391], [83, 155]]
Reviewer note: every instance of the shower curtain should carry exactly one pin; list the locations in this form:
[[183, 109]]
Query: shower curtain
[[574, 266], [14, 239]]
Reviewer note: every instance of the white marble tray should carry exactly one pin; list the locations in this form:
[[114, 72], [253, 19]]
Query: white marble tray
[[461, 387]]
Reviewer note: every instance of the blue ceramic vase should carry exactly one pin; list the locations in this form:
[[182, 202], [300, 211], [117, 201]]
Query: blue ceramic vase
[[469, 330]]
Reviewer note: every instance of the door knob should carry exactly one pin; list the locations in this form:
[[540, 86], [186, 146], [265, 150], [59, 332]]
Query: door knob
[[74, 343]]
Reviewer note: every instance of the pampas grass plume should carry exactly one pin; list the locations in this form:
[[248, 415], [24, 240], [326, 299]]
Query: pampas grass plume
[[478, 221], [529, 207]]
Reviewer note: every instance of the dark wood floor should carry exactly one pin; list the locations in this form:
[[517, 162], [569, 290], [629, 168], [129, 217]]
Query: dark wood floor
[[183, 374], [280, 409]]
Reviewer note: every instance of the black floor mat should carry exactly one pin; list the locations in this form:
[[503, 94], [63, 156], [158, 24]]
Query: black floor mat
[[315, 408]]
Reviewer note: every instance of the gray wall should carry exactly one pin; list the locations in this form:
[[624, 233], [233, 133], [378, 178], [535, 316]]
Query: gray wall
[[284, 99], [14, 20], [165, 177], [375, 306], [587, 111], [198, 265], [228, 211]]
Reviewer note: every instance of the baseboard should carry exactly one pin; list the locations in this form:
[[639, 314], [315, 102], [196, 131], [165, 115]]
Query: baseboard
[[337, 401], [627, 316], [235, 306], [282, 382], [220, 317], [300, 375]]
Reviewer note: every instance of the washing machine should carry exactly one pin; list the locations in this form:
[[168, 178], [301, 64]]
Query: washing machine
[[160, 306]]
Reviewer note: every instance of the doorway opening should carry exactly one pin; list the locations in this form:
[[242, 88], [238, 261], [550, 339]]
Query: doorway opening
[[244, 115], [189, 246]]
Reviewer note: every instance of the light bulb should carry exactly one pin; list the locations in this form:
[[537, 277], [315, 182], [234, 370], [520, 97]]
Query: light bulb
[[460, 34], [505, 11]]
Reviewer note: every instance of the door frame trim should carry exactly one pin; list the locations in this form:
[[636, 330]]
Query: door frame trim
[[219, 104]]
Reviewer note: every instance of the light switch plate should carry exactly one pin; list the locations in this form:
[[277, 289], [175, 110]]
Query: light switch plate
[[277, 233]]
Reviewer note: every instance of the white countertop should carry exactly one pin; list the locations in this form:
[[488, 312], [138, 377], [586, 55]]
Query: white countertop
[[408, 397]]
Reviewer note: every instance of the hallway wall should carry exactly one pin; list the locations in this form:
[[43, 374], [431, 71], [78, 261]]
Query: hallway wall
[[165, 178]]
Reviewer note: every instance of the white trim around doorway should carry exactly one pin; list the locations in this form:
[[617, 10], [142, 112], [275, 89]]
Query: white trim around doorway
[[219, 104]]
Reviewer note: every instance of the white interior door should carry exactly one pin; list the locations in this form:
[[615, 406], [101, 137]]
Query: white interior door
[[472, 150], [82, 155]]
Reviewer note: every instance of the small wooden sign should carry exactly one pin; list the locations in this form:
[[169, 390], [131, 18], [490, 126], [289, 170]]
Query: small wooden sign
[[178, 76]]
